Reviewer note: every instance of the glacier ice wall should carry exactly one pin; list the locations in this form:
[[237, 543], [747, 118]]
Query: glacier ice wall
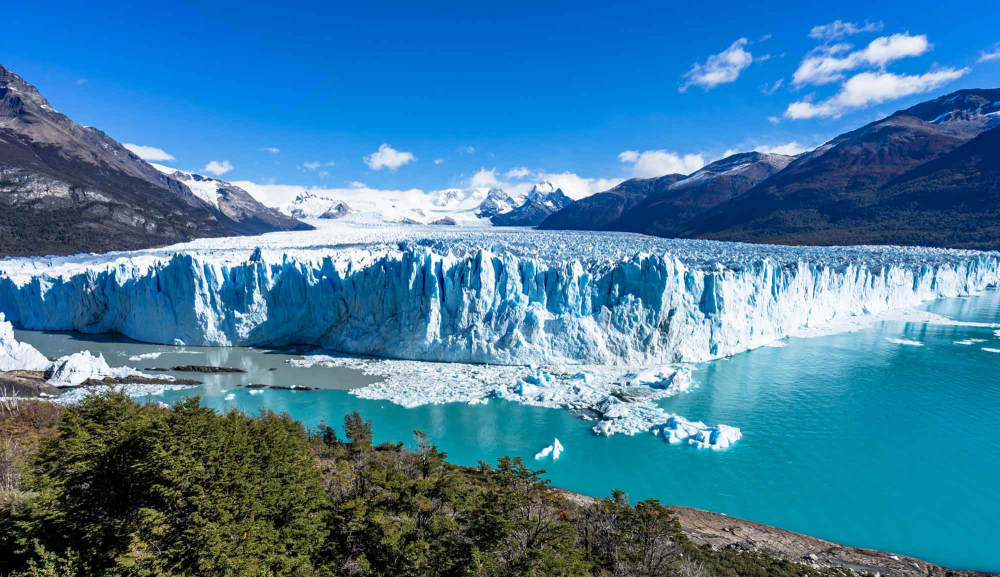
[[482, 306]]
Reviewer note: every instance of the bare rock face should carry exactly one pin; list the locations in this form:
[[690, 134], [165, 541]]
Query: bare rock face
[[543, 200], [444, 221], [338, 210], [847, 191], [922, 176], [65, 188], [663, 205]]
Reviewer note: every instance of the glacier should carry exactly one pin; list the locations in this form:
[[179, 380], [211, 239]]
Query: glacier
[[602, 324], [513, 298]]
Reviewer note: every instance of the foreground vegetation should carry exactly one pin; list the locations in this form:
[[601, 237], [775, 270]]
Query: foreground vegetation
[[115, 487]]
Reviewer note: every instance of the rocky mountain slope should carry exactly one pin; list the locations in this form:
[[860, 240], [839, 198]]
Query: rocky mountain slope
[[543, 200], [603, 211], [66, 188], [925, 175], [662, 206], [861, 186], [248, 215]]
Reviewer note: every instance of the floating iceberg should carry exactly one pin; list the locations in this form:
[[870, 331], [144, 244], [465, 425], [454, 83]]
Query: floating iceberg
[[18, 356], [698, 434], [555, 450], [78, 368]]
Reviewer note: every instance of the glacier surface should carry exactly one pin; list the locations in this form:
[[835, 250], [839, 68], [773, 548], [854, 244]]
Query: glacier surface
[[482, 296], [603, 319]]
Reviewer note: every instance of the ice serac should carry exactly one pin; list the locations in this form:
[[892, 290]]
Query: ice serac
[[18, 356], [448, 303]]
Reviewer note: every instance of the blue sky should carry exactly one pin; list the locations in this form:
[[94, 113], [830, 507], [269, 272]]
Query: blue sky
[[307, 93]]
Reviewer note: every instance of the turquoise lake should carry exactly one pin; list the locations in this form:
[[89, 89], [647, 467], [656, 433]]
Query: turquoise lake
[[849, 437]]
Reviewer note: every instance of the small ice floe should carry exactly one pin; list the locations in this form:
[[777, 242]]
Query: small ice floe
[[146, 356], [991, 350], [230, 397], [697, 434], [555, 449], [970, 341], [673, 380], [256, 391], [906, 342]]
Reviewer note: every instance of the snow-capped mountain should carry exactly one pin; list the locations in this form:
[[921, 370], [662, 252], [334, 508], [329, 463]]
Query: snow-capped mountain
[[236, 204], [497, 201], [463, 206], [541, 201], [363, 205]]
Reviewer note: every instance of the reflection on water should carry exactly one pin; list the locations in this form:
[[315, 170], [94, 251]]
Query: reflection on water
[[849, 437]]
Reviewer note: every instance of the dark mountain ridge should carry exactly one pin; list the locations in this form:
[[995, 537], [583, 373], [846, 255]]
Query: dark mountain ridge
[[924, 175], [837, 193], [65, 188]]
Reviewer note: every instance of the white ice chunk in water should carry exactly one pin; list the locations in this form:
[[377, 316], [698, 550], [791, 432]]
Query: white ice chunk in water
[[906, 342], [18, 356], [78, 368], [555, 450], [697, 434]]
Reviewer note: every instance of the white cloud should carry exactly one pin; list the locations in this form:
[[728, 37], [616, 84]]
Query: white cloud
[[358, 196], [388, 157], [218, 167], [81, 81], [629, 156], [271, 149], [469, 149], [839, 29], [518, 173], [316, 165], [994, 54], [572, 184], [650, 163], [825, 65], [770, 89], [576, 186], [485, 179], [720, 68], [790, 148], [871, 88], [438, 161], [150, 153]]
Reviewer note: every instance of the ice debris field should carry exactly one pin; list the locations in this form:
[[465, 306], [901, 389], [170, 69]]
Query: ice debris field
[[598, 323]]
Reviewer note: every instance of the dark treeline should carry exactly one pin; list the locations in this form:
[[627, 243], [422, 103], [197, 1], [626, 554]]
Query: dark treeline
[[115, 487]]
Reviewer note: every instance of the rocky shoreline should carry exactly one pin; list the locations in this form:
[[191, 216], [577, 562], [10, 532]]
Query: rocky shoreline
[[721, 531]]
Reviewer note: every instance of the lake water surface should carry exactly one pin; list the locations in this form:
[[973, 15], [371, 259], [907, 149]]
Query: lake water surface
[[852, 437]]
